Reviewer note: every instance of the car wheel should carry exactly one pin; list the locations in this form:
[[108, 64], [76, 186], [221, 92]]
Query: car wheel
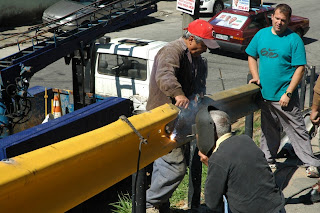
[[217, 7], [85, 23], [300, 33]]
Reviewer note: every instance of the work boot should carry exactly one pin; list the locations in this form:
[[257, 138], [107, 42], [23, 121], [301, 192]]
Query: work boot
[[312, 172], [315, 192]]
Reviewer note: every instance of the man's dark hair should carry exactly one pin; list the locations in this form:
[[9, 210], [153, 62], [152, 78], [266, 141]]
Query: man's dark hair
[[285, 9]]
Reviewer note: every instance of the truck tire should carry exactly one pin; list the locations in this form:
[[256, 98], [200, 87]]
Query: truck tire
[[217, 7]]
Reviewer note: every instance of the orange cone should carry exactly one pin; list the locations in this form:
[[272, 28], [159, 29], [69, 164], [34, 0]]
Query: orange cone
[[57, 112]]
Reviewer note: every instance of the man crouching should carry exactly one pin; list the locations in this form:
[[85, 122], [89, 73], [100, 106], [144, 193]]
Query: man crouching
[[237, 169]]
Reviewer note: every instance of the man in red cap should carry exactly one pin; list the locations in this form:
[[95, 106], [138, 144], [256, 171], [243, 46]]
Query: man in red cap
[[178, 76]]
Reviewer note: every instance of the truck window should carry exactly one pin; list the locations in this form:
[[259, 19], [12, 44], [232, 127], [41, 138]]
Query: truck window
[[122, 66]]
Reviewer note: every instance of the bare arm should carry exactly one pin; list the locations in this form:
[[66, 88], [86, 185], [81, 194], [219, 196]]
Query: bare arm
[[314, 116], [253, 67], [203, 158], [315, 109], [296, 78]]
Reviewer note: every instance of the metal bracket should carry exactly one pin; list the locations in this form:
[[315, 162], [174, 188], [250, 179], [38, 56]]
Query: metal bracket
[[125, 119]]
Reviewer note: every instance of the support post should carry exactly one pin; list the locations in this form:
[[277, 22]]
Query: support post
[[83, 75], [249, 118], [303, 90], [139, 191], [187, 18], [77, 73], [312, 82], [194, 175]]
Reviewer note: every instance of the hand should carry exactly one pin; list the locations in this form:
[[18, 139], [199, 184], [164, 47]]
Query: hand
[[255, 81], [182, 101], [314, 117], [284, 100], [203, 158]]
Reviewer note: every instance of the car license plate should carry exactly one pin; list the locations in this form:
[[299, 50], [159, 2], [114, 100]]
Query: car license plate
[[223, 37]]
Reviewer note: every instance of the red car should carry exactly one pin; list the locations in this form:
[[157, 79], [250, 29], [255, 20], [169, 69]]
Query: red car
[[234, 29]]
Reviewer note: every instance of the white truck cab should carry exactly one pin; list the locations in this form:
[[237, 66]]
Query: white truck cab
[[123, 68]]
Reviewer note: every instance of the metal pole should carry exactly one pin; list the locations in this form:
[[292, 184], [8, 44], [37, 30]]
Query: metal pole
[[249, 118], [139, 180], [195, 164], [194, 175], [187, 18], [139, 191], [303, 90], [312, 82], [223, 88]]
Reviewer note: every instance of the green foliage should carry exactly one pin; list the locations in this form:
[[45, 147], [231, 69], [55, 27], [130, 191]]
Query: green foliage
[[240, 129], [179, 197], [203, 179], [124, 205], [181, 193]]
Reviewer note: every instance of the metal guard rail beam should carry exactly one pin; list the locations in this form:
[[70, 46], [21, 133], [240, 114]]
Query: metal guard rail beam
[[60, 176], [237, 102]]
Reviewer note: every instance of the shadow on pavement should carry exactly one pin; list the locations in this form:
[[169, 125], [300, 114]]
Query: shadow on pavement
[[285, 171], [241, 56], [307, 40], [143, 22]]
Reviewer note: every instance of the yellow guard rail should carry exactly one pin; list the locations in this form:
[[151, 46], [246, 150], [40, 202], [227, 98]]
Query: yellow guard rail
[[60, 176]]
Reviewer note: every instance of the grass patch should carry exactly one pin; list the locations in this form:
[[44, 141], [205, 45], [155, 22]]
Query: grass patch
[[239, 127], [124, 205], [179, 197]]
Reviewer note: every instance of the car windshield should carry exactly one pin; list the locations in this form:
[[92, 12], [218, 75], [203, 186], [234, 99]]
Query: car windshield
[[229, 20], [122, 66]]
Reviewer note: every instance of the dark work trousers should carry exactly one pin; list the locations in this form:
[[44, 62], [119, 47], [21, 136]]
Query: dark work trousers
[[292, 122]]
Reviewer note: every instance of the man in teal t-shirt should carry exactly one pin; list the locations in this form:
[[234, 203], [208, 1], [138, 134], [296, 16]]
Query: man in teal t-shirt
[[282, 58]]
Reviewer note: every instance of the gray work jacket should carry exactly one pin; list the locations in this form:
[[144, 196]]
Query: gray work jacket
[[175, 72]]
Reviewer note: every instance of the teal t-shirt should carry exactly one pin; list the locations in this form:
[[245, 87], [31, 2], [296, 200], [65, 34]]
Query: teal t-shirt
[[278, 56]]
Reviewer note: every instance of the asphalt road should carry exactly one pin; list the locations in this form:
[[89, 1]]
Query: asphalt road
[[166, 25]]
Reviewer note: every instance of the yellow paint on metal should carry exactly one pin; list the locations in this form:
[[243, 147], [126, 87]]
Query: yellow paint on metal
[[60, 176], [235, 93], [237, 102], [63, 175]]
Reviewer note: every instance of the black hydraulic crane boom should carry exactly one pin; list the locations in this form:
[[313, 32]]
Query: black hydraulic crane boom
[[17, 69], [59, 45]]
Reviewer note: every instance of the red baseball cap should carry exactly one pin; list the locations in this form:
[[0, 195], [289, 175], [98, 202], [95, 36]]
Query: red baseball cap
[[203, 29]]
